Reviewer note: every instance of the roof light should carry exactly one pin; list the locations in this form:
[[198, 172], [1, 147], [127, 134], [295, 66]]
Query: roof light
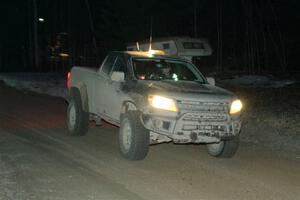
[[149, 53]]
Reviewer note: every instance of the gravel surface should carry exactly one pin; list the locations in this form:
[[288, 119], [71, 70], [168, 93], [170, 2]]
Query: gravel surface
[[39, 160]]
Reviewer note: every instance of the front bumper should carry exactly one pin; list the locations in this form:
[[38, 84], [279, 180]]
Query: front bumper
[[193, 127]]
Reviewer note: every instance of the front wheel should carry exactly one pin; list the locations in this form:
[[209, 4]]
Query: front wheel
[[133, 137], [224, 149]]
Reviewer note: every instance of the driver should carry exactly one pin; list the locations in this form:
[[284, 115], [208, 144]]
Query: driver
[[161, 72]]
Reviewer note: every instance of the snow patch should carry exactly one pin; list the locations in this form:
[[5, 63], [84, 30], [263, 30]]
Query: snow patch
[[257, 81], [46, 83]]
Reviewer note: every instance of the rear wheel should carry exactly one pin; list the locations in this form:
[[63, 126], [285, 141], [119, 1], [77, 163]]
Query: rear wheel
[[224, 149], [133, 137], [77, 119]]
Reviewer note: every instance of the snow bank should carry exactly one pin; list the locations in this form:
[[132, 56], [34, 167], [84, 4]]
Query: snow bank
[[257, 81], [45, 83]]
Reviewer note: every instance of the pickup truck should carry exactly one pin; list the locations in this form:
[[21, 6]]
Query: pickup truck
[[154, 99]]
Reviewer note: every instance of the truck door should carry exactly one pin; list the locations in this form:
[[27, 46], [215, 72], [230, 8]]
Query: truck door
[[100, 84], [114, 95], [110, 97]]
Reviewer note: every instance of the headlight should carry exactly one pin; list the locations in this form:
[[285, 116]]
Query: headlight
[[163, 103], [236, 106]]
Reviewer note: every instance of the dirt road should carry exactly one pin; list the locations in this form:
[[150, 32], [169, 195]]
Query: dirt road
[[39, 160]]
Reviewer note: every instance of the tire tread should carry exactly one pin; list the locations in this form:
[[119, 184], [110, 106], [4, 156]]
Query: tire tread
[[140, 146], [82, 117]]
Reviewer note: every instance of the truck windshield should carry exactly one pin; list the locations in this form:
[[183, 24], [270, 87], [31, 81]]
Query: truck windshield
[[165, 69]]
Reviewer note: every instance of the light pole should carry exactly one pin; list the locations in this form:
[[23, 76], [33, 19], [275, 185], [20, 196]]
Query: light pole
[[35, 33]]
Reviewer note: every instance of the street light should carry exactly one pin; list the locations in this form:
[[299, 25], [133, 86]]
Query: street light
[[41, 19]]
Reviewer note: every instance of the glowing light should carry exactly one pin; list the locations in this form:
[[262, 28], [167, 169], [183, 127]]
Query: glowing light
[[68, 80], [156, 52], [147, 53], [175, 77], [163, 103], [151, 51], [41, 19], [141, 77], [236, 106], [64, 55]]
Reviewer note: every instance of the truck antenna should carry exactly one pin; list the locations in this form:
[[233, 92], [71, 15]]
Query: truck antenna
[[150, 42]]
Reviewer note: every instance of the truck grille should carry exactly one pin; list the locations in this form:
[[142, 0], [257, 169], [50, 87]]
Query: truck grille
[[201, 121], [204, 111]]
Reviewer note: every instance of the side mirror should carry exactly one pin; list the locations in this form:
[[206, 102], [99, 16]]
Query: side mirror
[[211, 80], [118, 76]]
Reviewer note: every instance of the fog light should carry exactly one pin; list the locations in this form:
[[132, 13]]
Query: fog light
[[157, 123], [166, 125]]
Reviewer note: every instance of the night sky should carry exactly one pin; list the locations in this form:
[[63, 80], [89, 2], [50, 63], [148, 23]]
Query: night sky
[[246, 35]]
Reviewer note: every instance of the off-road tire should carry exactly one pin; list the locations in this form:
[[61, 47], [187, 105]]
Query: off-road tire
[[224, 149], [133, 137], [77, 119]]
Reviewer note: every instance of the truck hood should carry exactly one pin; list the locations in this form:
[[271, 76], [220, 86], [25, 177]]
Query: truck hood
[[183, 90]]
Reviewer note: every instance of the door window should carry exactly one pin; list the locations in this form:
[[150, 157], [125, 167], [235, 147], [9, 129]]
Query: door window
[[108, 64], [120, 65]]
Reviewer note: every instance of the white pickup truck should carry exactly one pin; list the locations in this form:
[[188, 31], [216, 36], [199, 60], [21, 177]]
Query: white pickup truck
[[154, 99]]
